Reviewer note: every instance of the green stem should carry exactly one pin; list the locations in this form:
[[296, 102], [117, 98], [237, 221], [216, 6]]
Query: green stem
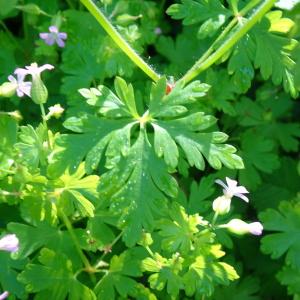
[[111, 245], [70, 3], [203, 64], [45, 124], [214, 220], [118, 39], [232, 23], [85, 261]]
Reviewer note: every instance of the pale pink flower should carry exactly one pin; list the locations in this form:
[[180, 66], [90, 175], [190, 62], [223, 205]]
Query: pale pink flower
[[34, 70], [9, 243], [255, 228], [4, 295], [22, 87], [54, 36], [232, 189]]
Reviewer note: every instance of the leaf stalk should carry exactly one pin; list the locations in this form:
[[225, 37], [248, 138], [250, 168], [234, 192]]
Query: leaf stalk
[[119, 40], [210, 58]]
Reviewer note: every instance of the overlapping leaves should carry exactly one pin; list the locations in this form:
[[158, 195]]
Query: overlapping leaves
[[133, 145]]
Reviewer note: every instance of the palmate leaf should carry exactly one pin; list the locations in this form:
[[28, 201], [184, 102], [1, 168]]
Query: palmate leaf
[[287, 221], [265, 49], [166, 272], [291, 278], [178, 230], [33, 238], [211, 14], [138, 180], [137, 188], [9, 272], [54, 278], [258, 155]]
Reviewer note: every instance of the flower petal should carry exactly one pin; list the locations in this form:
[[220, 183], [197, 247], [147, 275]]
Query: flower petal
[[60, 42], [220, 182], [62, 35], [53, 29], [231, 183], [243, 197]]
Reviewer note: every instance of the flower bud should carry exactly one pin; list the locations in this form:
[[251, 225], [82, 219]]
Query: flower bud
[[221, 205], [8, 89], [9, 243], [39, 92], [240, 227], [55, 111]]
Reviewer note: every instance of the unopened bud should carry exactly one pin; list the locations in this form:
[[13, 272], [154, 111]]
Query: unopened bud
[[8, 89], [240, 227], [30, 8], [39, 92], [55, 111], [221, 205]]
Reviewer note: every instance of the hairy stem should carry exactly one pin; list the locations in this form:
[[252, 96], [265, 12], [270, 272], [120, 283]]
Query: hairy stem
[[119, 40], [209, 59]]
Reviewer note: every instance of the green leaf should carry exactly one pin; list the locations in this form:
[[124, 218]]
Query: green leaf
[[33, 238], [8, 274], [54, 278], [31, 148], [246, 289], [258, 156], [264, 48], [179, 229], [205, 271], [119, 276], [287, 221], [211, 14], [166, 272], [126, 144], [137, 188], [290, 277], [79, 189]]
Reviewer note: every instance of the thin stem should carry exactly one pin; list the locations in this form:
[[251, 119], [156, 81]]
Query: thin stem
[[45, 124], [110, 246], [232, 23], [119, 40], [203, 64], [214, 220], [85, 261], [70, 3]]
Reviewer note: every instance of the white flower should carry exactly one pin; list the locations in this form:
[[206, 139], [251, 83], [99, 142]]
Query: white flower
[[232, 189], [34, 70], [9, 243], [221, 205]]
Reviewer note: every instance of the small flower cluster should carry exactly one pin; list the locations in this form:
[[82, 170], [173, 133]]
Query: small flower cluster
[[9, 243], [221, 206]]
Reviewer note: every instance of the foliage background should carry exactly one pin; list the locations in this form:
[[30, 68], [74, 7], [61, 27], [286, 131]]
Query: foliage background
[[251, 95]]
